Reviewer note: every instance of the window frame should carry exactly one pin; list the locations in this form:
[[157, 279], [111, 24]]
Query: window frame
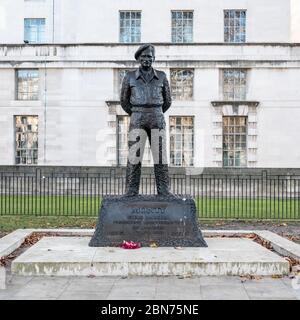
[[192, 35], [234, 134], [38, 93], [140, 30], [37, 41], [224, 94], [15, 141], [192, 83], [182, 151], [224, 25]]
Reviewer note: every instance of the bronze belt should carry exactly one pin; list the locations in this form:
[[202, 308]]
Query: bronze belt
[[146, 109]]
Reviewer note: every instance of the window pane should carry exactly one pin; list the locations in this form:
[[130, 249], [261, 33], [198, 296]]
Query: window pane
[[234, 26], [182, 84], [182, 141], [27, 84], [34, 30], [182, 26], [27, 142], [234, 141], [130, 26], [234, 84]]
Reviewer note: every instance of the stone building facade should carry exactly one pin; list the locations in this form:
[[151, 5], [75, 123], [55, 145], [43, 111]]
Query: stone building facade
[[233, 66]]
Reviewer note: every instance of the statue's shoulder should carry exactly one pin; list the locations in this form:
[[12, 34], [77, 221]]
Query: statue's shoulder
[[129, 74], [160, 73]]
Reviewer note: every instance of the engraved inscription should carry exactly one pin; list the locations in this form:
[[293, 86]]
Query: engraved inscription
[[145, 210], [168, 223]]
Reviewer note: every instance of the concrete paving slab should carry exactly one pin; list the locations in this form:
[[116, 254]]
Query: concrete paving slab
[[264, 289], [293, 285], [66, 256], [140, 290], [162, 288], [88, 286], [178, 296], [228, 292], [220, 281], [42, 288], [2, 278], [83, 296]]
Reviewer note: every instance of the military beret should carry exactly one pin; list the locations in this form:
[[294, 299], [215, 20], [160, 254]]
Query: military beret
[[142, 48]]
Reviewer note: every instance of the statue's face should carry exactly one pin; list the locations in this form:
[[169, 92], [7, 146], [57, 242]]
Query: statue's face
[[146, 58]]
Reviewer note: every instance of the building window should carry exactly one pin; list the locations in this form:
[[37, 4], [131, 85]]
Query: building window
[[26, 130], [182, 141], [234, 84], [130, 26], [27, 84], [182, 26], [182, 84], [34, 30], [234, 141], [235, 26], [122, 143]]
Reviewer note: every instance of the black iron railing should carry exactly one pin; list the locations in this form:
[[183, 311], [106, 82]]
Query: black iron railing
[[217, 196]]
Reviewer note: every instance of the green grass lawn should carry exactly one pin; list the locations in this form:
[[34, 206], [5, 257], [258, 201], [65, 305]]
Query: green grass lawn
[[208, 208], [50, 205], [248, 208], [11, 223]]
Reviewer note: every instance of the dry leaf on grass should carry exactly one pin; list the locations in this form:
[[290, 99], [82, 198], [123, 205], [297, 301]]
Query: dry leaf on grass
[[292, 237]]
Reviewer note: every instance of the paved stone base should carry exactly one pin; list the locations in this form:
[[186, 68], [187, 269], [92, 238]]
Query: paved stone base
[[64, 256], [148, 288]]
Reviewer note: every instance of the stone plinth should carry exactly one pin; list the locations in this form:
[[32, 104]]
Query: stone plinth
[[71, 256], [166, 221]]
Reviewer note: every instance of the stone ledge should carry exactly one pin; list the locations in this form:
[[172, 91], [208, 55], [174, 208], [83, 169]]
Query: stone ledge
[[65, 256], [2, 278], [12, 241], [283, 246]]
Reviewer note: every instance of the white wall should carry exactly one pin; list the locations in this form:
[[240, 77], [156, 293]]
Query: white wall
[[77, 123], [80, 79], [97, 21], [295, 21], [11, 21], [278, 116]]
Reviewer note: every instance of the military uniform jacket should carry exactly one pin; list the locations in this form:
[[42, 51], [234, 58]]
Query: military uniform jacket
[[137, 92]]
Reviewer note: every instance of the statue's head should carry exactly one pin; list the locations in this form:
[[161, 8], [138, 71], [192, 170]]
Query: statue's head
[[145, 55]]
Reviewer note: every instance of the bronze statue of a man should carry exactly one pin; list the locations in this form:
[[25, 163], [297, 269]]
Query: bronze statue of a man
[[145, 96]]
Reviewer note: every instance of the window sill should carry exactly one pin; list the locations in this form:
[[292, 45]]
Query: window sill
[[235, 103], [26, 103]]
